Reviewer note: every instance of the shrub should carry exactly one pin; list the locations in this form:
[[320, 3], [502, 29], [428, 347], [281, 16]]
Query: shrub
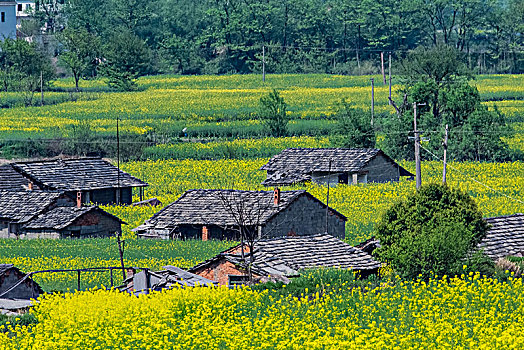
[[431, 232]]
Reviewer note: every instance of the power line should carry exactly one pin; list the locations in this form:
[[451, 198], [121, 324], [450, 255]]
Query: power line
[[475, 180]]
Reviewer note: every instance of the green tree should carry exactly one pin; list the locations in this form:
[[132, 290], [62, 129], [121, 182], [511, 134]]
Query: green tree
[[433, 231], [273, 113], [81, 51], [127, 57], [354, 130], [24, 68]]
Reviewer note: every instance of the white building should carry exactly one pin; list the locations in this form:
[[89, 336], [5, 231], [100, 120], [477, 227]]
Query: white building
[[24, 10], [7, 19]]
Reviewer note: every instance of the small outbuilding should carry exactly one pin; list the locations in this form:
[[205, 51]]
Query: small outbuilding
[[145, 281], [331, 165], [285, 257], [14, 284], [222, 214]]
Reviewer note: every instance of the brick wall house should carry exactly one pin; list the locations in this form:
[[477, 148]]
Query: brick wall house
[[285, 257]]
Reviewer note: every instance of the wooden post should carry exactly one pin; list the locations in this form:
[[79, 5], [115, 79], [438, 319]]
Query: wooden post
[[78, 272], [445, 144], [111, 276], [327, 199], [41, 88], [382, 66], [264, 63], [121, 247], [389, 79], [372, 100], [417, 145]]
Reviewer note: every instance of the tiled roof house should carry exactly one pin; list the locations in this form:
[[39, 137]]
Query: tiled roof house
[[333, 165], [218, 214], [40, 214], [286, 257], [95, 179]]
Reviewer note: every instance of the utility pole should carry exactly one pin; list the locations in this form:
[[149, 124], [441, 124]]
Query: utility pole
[[327, 199], [417, 145], [264, 63], [372, 100], [390, 79], [118, 195], [121, 247], [445, 144], [382, 65]]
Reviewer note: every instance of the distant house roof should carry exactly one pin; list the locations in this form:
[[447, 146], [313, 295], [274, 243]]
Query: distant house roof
[[12, 180], [505, 237], [76, 174], [23, 206], [294, 165], [10, 291], [286, 256], [222, 207], [168, 278], [60, 217]]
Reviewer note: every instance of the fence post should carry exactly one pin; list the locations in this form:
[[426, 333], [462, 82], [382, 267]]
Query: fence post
[[78, 272]]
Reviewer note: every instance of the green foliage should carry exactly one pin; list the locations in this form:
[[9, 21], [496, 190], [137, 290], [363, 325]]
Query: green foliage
[[273, 113], [126, 58], [22, 65], [431, 232], [354, 128], [312, 281], [81, 51]]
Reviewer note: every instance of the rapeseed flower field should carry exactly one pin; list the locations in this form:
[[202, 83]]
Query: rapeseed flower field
[[465, 312]]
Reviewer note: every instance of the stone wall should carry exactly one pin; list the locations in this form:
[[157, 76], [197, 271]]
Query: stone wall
[[381, 169], [305, 216]]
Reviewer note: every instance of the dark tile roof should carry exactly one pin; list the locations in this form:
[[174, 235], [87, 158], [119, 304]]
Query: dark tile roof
[[168, 278], [222, 207], [60, 217], [288, 255], [76, 174], [505, 237], [22, 206], [12, 180], [294, 165]]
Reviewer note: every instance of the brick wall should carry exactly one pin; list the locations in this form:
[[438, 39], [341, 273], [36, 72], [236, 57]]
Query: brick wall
[[304, 216], [219, 271]]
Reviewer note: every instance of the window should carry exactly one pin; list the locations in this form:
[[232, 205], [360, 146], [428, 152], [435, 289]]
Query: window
[[2, 17], [19, 7], [28, 7]]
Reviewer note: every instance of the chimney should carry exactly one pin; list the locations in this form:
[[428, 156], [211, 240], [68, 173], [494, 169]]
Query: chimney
[[276, 196], [205, 233], [79, 199], [30, 186]]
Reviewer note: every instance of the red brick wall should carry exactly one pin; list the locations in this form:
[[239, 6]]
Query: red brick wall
[[219, 271]]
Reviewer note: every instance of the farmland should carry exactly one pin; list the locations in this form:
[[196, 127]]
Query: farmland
[[219, 106], [362, 204], [468, 312], [228, 144]]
